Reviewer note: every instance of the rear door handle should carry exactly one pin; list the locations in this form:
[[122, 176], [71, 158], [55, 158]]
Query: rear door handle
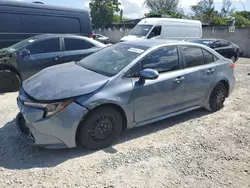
[[179, 79], [210, 71]]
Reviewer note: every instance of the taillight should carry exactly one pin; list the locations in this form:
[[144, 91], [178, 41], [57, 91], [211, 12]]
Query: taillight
[[91, 36], [232, 66]]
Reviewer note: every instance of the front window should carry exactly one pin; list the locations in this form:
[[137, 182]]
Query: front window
[[141, 30], [46, 46], [22, 44], [111, 60]]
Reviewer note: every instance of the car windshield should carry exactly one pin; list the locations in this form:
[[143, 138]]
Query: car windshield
[[22, 44], [111, 60], [204, 42], [141, 30]]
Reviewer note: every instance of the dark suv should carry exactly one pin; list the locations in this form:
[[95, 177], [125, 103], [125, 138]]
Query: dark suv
[[26, 58], [223, 47]]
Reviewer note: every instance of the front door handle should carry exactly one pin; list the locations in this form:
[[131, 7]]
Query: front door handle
[[179, 79], [210, 71]]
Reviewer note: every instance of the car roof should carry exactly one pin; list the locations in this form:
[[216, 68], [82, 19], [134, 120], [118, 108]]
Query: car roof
[[40, 6], [158, 42], [46, 36], [212, 39]]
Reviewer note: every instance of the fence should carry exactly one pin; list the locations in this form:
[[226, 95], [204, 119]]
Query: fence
[[241, 36]]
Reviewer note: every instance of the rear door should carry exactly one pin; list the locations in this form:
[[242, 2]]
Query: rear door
[[43, 54], [200, 69], [75, 49]]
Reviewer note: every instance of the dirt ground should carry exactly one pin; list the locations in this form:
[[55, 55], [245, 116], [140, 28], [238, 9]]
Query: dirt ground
[[197, 149]]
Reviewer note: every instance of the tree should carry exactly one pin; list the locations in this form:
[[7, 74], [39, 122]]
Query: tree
[[242, 18], [102, 11], [162, 5], [227, 8], [171, 14], [204, 10]]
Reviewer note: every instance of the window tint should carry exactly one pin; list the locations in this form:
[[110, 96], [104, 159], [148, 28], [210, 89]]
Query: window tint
[[193, 56], [208, 57], [163, 60], [155, 32], [76, 44], [46, 46], [224, 43]]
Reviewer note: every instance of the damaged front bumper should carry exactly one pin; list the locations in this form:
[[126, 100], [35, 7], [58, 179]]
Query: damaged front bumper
[[58, 131]]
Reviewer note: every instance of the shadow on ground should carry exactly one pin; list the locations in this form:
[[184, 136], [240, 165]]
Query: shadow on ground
[[16, 154]]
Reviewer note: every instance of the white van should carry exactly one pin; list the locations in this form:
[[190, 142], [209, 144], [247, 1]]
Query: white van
[[166, 28]]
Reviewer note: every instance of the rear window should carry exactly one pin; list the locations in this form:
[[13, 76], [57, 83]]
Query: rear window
[[141, 30], [76, 44]]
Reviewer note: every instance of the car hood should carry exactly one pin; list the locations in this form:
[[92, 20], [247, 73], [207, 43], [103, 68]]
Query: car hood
[[131, 38], [63, 81]]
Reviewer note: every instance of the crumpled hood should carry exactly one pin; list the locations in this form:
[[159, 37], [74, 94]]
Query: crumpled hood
[[130, 38], [63, 81]]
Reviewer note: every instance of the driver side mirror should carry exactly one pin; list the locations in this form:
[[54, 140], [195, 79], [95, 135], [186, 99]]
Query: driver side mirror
[[24, 52], [148, 74]]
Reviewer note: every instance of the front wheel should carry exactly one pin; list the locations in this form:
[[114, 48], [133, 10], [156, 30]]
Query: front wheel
[[9, 81], [217, 97], [101, 128]]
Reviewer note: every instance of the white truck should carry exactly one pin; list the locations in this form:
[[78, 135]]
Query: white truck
[[166, 28]]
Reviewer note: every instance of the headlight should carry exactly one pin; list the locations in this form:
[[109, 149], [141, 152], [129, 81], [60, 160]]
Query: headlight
[[50, 109]]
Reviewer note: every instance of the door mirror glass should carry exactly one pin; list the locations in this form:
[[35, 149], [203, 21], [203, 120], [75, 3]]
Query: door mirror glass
[[149, 74]]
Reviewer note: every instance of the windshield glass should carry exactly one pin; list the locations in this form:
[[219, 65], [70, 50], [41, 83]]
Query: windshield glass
[[22, 44], [141, 30], [204, 42], [111, 60]]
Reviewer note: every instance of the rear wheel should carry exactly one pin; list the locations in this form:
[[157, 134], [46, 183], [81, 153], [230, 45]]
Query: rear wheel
[[101, 128], [9, 81], [217, 97]]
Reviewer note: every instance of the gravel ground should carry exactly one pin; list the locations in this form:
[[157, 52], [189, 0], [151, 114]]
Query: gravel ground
[[197, 149]]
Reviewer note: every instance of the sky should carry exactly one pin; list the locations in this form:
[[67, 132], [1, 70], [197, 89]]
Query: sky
[[136, 8]]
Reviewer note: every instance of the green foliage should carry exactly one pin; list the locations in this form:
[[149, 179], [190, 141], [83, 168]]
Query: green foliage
[[162, 5], [204, 11], [172, 14], [242, 19], [102, 11], [118, 19]]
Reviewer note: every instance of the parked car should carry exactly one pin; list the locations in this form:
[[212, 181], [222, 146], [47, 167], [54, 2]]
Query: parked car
[[122, 86], [101, 38], [223, 47], [26, 58], [165, 28], [20, 20]]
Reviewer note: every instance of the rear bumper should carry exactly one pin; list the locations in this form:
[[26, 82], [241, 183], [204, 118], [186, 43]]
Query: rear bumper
[[58, 131]]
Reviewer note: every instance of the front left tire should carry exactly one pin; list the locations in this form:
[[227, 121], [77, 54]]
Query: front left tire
[[9, 81], [101, 128]]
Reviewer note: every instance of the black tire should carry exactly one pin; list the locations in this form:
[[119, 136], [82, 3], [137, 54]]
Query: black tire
[[218, 97], [101, 128], [9, 81]]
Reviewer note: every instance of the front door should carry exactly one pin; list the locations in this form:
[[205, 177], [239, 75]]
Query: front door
[[164, 95], [200, 70], [43, 54]]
